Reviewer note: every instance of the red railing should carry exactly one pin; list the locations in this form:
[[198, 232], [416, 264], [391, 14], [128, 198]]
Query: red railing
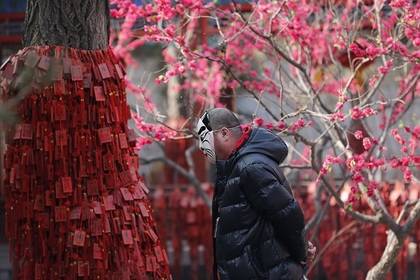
[[346, 249]]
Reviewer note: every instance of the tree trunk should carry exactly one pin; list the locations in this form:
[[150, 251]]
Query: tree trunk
[[388, 258], [173, 90], [75, 205], [395, 243], [82, 24]]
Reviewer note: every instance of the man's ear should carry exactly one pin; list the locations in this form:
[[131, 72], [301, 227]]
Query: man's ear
[[225, 132]]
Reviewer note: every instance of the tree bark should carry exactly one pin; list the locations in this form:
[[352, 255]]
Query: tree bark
[[82, 24], [395, 243], [75, 206], [388, 258], [173, 90]]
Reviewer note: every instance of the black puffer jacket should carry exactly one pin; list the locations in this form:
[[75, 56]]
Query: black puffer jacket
[[257, 222]]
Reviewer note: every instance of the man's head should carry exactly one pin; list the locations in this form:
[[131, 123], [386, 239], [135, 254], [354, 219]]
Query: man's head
[[219, 130]]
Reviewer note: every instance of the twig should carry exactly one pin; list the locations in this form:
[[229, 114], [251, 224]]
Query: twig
[[412, 218], [330, 242], [193, 180]]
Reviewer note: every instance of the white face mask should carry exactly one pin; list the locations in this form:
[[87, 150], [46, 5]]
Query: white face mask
[[206, 142]]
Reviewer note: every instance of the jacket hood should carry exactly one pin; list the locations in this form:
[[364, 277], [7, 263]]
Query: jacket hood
[[261, 141], [265, 142]]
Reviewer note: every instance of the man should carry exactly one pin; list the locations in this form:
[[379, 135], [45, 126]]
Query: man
[[258, 225]]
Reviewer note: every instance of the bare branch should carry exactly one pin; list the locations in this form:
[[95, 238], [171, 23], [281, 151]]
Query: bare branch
[[193, 180], [330, 242], [412, 218]]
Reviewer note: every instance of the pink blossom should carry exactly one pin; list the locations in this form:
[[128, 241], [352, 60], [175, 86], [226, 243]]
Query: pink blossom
[[405, 161], [161, 79], [413, 34], [352, 199], [299, 124], [357, 177], [258, 121], [367, 143], [269, 126], [358, 134], [369, 112], [401, 48], [408, 175], [354, 48], [395, 163], [416, 132], [323, 171], [339, 116], [415, 159], [281, 125], [397, 136], [333, 159], [386, 68], [373, 80], [399, 3], [358, 113], [372, 186], [373, 51]]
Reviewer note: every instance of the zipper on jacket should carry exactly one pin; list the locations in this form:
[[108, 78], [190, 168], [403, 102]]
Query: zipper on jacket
[[215, 226]]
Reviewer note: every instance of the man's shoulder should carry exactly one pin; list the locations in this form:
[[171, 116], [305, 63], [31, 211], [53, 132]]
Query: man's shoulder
[[254, 160]]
